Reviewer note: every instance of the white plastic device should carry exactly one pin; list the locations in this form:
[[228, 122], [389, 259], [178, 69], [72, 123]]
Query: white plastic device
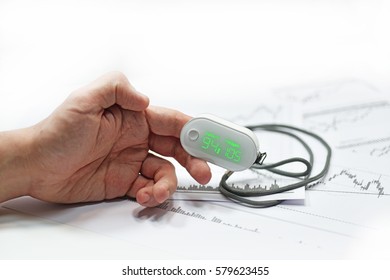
[[220, 142]]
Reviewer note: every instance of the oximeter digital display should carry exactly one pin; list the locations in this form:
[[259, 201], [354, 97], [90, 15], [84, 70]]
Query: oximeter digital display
[[220, 142], [236, 148]]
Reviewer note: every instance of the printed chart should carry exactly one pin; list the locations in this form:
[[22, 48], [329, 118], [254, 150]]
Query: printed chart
[[344, 215]]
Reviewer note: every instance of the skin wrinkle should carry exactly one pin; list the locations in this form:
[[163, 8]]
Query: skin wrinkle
[[93, 175], [120, 126], [120, 158]]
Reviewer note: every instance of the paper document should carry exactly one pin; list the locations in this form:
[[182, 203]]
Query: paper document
[[344, 215]]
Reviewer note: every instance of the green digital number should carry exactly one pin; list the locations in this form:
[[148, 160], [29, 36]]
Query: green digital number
[[206, 142], [233, 154], [232, 151], [216, 147], [210, 140]]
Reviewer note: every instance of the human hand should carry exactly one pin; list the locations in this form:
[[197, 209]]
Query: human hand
[[95, 146]]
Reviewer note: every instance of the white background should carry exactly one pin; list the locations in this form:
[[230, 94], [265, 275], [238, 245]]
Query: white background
[[189, 55]]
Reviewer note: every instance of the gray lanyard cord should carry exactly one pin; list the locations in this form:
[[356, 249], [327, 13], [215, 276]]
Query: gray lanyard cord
[[240, 195]]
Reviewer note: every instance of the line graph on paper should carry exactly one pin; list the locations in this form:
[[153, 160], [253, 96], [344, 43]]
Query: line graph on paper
[[260, 114], [353, 125], [380, 151], [170, 206], [376, 149], [346, 180], [327, 93], [335, 119], [250, 180]]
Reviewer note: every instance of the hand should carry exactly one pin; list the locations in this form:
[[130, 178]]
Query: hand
[[95, 146]]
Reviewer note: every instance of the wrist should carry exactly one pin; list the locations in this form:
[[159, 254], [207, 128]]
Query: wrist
[[15, 179]]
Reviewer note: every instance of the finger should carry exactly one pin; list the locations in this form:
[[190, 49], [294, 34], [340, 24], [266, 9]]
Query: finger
[[140, 183], [164, 121], [171, 147], [112, 88], [156, 183]]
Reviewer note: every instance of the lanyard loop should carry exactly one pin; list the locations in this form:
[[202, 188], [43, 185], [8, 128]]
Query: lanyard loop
[[241, 195]]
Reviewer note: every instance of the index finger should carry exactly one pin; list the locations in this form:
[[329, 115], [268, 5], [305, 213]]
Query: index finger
[[166, 122], [166, 125]]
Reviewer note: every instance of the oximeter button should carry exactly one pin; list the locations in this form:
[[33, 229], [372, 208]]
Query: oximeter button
[[193, 135]]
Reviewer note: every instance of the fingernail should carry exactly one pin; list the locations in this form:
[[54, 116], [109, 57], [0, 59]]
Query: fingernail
[[144, 199], [141, 94], [163, 196]]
